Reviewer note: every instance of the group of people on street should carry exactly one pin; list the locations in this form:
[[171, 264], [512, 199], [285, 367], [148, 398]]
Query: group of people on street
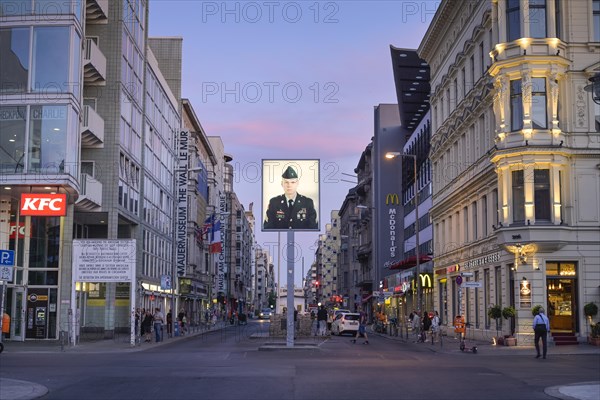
[[150, 322], [423, 324]]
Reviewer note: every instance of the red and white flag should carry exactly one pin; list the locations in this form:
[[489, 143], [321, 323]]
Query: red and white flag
[[215, 237]]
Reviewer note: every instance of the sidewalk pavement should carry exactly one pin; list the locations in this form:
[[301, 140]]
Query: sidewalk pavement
[[451, 345], [13, 389]]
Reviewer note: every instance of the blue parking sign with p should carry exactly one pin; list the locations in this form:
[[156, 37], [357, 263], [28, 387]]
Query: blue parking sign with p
[[7, 262], [7, 257]]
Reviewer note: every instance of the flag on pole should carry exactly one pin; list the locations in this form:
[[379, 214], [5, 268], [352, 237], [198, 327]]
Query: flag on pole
[[207, 228], [215, 240]]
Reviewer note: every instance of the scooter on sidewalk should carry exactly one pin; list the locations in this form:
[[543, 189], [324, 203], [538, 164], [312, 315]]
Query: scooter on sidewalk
[[460, 328]]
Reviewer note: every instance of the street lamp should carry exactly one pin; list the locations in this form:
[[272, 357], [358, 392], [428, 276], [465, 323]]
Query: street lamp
[[391, 155], [594, 88]]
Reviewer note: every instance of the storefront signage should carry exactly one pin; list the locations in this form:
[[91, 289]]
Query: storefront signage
[[44, 205], [221, 264], [425, 280], [452, 268], [17, 234], [181, 201], [525, 294], [392, 225], [98, 260], [485, 260]]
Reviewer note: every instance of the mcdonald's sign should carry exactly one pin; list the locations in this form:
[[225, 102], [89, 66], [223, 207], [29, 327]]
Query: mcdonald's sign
[[425, 280], [392, 198]]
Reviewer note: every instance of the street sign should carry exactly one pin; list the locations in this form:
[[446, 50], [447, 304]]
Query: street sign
[[165, 282], [375, 293], [469, 274], [472, 284], [7, 262], [7, 257]]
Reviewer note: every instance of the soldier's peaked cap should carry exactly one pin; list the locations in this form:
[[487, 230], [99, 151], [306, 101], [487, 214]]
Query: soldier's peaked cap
[[289, 173]]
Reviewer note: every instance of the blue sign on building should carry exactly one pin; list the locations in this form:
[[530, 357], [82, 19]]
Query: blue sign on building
[[7, 257]]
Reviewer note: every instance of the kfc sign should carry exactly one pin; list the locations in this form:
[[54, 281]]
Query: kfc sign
[[47, 205], [17, 234]]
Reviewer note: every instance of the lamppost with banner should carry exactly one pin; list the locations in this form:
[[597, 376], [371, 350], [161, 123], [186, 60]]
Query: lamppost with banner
[[391, 155]]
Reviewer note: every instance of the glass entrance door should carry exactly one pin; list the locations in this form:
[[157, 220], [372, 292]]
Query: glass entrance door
[[561, 304], [17, 315]]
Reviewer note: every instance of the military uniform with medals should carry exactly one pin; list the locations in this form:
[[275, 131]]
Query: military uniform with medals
[[287, 214]]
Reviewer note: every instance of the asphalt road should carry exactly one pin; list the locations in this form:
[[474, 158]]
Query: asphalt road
[[228, 365]]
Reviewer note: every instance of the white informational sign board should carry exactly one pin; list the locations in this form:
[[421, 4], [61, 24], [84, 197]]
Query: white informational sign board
[[104, 260]]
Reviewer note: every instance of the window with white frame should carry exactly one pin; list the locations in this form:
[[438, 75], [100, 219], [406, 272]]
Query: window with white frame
[[513, 20], [516, 105], [541, 193], [539, 118], [537, 18], [596, 18], [518, 196]]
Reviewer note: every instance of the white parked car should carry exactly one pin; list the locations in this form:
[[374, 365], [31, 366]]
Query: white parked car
[[345, 323]]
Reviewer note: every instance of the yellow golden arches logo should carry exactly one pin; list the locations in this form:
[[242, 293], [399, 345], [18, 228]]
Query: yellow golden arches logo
[[392, 198], [425, 280]]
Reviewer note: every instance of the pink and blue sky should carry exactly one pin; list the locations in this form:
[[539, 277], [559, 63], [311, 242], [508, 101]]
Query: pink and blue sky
[[290, 79]]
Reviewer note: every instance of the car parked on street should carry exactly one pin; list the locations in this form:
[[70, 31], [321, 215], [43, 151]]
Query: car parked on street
[[345, 323], [339, 311]]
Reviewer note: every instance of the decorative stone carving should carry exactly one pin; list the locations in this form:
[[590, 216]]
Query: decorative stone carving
[[553, 82], [580, 106]]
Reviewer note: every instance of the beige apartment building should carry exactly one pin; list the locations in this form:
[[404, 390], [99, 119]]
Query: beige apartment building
[[515, 148]]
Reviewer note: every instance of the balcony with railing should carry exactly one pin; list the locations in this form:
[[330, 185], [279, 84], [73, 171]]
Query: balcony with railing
[[96, 11], [90, 198], [92, 129], [94, 64]]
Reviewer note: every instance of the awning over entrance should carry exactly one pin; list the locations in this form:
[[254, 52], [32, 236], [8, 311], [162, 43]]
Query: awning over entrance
[[410, 262]]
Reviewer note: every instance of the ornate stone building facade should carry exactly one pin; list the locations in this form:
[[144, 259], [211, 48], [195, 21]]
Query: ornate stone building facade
[[515, 160]]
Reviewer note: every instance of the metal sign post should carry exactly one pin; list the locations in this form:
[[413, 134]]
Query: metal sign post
[[290, 289]]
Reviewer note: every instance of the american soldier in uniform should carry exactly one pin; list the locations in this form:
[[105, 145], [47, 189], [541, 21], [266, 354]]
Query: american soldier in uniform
[[291, 210]]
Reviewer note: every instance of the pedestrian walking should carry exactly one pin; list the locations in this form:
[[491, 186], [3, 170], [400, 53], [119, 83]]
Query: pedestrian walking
[[426, 324], [416, 326], [541, 327], [169, 324], [182, 320], [435, 326], [159, 319], [322, 320], [362, 328], [146, 325], [137, 321]]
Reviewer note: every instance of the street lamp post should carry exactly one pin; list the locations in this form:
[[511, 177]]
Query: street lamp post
[[390, 155]]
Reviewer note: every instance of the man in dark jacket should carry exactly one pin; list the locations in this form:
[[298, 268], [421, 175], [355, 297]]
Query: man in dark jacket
[[322, 320], [291, 210]]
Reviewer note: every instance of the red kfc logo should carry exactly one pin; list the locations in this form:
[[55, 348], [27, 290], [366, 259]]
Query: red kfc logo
[[17, 234], [47, 205]]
